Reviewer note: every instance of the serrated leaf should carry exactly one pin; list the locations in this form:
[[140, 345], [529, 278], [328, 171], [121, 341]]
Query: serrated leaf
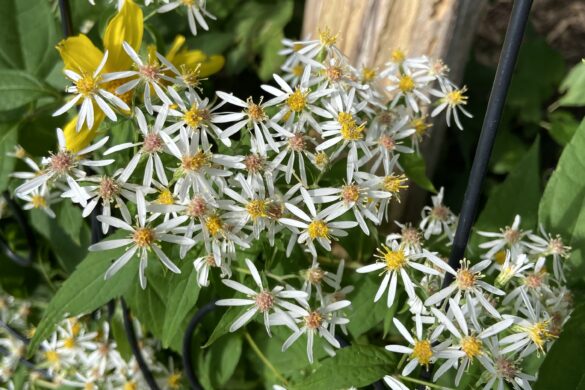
[[562, 208], [18, 88], [415, 169], [353, 366], [86, 290], [573, 87]]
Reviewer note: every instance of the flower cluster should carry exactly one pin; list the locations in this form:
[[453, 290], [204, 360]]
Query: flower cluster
[[497, 311], [81, 353]]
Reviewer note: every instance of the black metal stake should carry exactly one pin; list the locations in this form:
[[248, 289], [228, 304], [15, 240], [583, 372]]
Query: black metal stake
[[493, 114], [66, 21]]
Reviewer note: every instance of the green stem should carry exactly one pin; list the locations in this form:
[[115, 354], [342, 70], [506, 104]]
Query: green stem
[[264, 359], [421, 382]]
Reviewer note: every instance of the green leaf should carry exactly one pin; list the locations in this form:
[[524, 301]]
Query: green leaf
[[8, 139], [18, 88], [181, 299], [518, 194], [414, 167], [564, 366], [562, 126], [562, 208], [573, 87], [28, 35], [164, 305], [121, 338], [353, 366], [70, 250], [218, 363], [86, 290], [366, 314], [223, 326]]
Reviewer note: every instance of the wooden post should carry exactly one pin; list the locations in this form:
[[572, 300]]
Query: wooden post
[[369, 29]]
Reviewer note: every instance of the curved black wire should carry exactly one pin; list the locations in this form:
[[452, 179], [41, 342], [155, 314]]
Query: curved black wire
[[26, 229], [188, 338], [131, 333]]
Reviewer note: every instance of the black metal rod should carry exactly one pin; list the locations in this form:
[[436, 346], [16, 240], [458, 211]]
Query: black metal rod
[[66, 21], [508, 56], [131, 334], [187, 340], [13, 332]]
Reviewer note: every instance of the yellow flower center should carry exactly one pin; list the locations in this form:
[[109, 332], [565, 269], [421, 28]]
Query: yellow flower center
[[165, 196], [471, 346], [297, 100], [69, 343], [318, 229], [313, 320], [143, 237], [194, 116], [352, 132], [321, 159], [394, 183], [395, 259], [257, 208], [406, 83], [52, 357], [174, 380], [350, 193], [38, 201], [456, 97], [397, 56], [539, 333], [466, 278], [214, 225], [197, 161], [255, 111], [420, 126], [368, 74], [422, 351], [298, 70], [86, 85], [130, 386], [326, 37]]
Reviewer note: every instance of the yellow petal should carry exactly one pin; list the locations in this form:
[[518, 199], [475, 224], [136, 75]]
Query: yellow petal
[[79, 54], [178, 42], [212, 65], [77, 140], [191, 58], [127, 25]]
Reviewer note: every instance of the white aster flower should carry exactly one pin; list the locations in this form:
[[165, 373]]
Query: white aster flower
[[150, 74], [154, 142], [511, 237], [143, 239], [468, 285], [203, 266], [264, 301], [470, 342], [318, 227], [40, 198], [422, 351], [438, 218], [317, 322], [453, 99], [394, 261], [411, 86], [88, 89], [64, 165]]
